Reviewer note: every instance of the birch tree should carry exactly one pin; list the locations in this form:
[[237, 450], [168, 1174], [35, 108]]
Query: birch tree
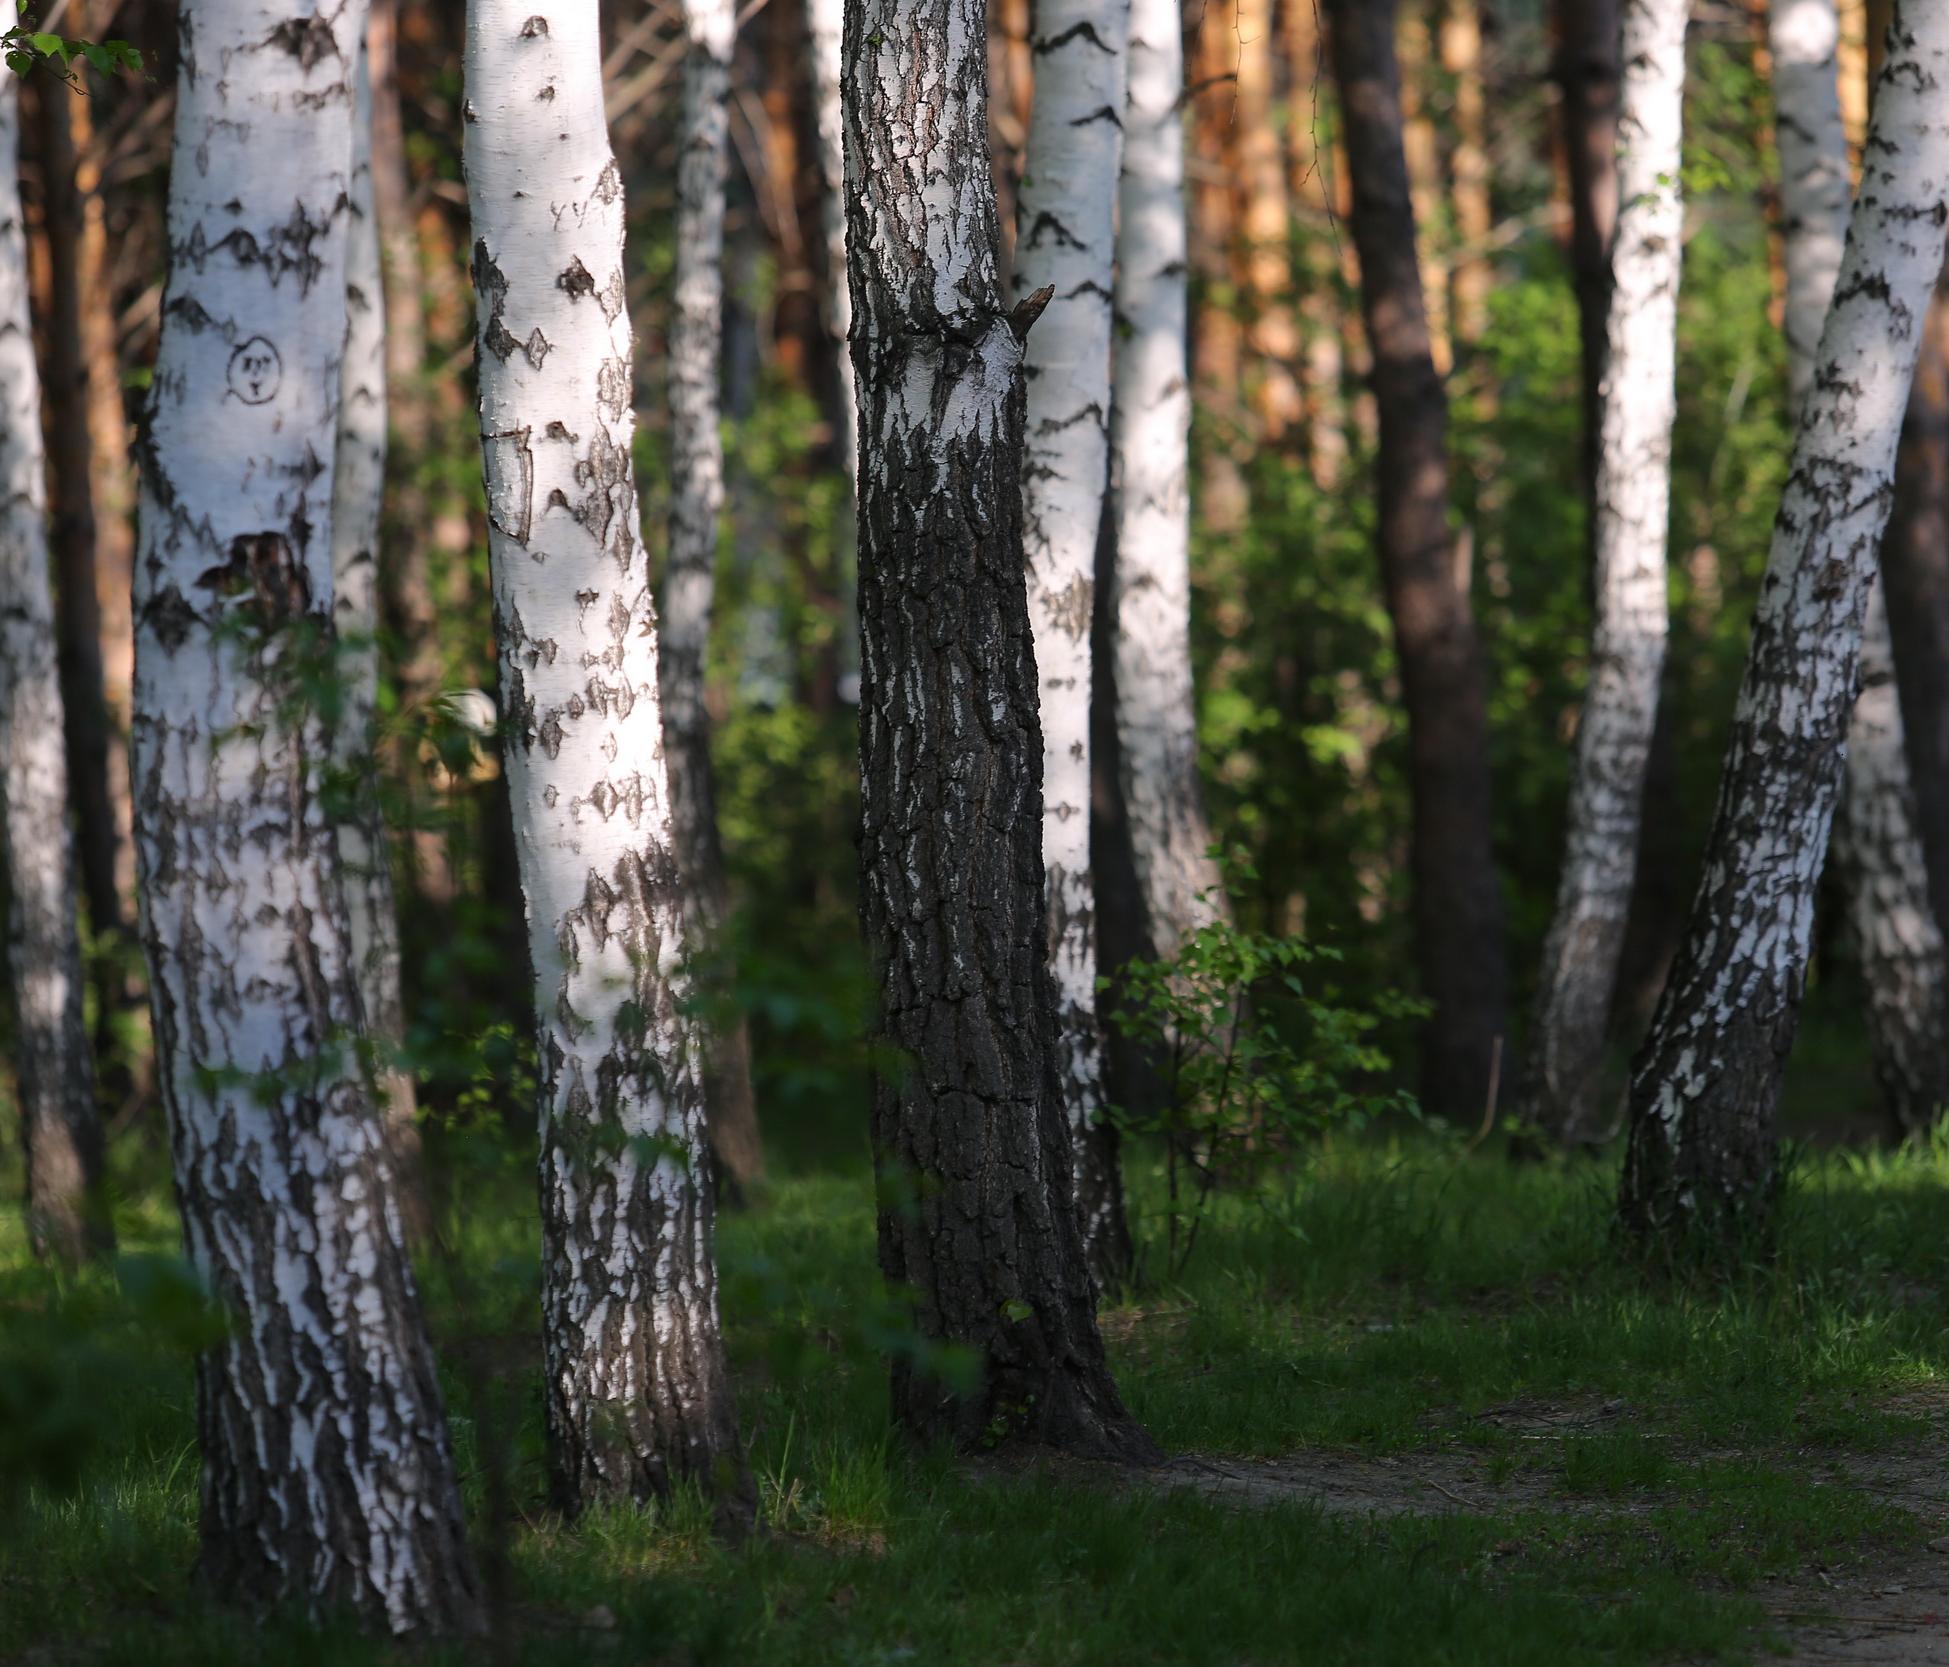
[[1150, 437], [696, 504], [358, 502], [1457, 899], [54, 1072], [978, 1225], [1701, 1159], [328, 1480], [1587, 69], [635, 1382], [1627, 652], [1877, 844], [1066, 240]]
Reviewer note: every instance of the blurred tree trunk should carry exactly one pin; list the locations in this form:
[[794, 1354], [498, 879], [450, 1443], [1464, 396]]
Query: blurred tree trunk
[[1472, 273], [67, 1214], [93, 558], [1614, 735], [638, 1400], [358, 502], [1217, 327], [696, 507], [1701, 1163], [978, 1224], [1265, 274], [1589, 73], [1067, 240], [1427, 187], [1457, 897], [1311, 178], [1156, 710], [280, 1162]]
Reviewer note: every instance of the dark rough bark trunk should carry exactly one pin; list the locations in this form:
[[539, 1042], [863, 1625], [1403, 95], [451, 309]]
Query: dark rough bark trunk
[[1588, 71], [978, 1226], [1915, 568], [1457, 900], [1700, 1168], [95, 753]]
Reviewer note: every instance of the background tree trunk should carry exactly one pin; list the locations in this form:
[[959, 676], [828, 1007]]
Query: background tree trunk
[[1588, 35], [328, 1480], [696, 504], [1157, 723], [1457, 897], [1620, 710], [978, 1224], [1701, 1161], [637, 1397], [67, 1213], [1067, 239]]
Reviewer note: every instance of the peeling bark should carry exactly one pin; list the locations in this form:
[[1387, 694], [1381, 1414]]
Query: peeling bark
[[67, 1217], [328, 1480], [1066, 239], [358, 497], [1640, 402], [1457, 897], [978, 1225], [637, 1398], [696, 505], [1701, 1160], [1150, 430]]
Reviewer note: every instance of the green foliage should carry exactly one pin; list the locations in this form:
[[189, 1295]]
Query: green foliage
[[27, 48]]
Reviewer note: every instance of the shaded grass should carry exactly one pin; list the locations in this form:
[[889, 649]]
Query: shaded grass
[[1401, 1299]]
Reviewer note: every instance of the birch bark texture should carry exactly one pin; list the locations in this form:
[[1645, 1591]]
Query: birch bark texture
[[54, 1071], [977, 1222], [328, 1479], [637, 1398], [1066, 242], [358, 506], [1877, 847], [1457, 896], [1700, 1165], [689, 584], [1627, 652], [1150, 439]]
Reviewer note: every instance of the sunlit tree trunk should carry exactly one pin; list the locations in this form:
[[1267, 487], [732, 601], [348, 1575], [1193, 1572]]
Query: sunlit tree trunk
[[328, 1480], [978, 1225], [1217, 326], [1310, 190], [358, 498], [1877, 845], [1460, 43], [1706, 1085], [1588, 36], [696, 506], [1457, 899], [55, 1080], [1265, 226], [636, 1393], [1067, 239], [1157, 724]]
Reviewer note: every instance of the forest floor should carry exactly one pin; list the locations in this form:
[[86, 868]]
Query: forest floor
[[1418, 1411]]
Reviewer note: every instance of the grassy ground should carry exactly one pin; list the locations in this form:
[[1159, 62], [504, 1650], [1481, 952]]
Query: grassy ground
[[1585, 1468]]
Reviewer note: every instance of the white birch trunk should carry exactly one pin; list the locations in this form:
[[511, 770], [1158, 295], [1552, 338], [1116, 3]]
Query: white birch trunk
[[327, 1476], [1066, 239], [54, 1071], [1157, 730], [1877, 840], [1639, 401], [636, 1390], [1706, 1086], [358, 502]]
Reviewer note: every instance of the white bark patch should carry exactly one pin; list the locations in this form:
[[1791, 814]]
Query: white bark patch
[[636, 1396], [1156, 715], [1639, 400], [1067, 240], [327, 1473], [1706, 1085], [51, 1055]]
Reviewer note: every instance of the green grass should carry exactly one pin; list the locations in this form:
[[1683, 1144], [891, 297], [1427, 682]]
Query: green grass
[[1643, 1455]]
